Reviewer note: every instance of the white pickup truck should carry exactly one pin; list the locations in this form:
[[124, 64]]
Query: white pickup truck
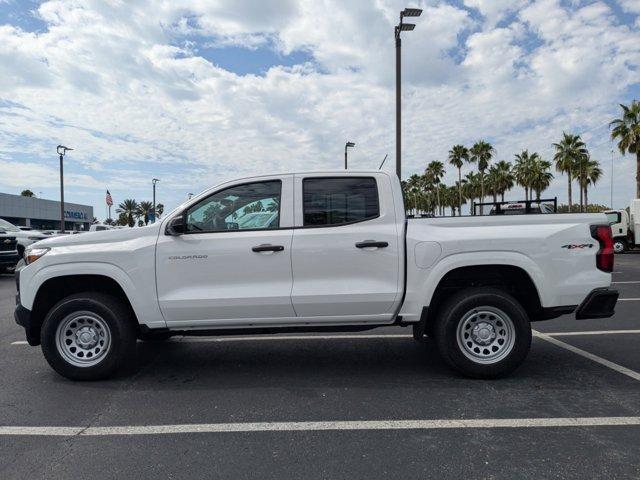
[[328, 251]]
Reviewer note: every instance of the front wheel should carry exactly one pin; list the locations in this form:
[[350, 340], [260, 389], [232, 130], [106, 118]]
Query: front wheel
[[483, 333], [88, 336], [619, 245]]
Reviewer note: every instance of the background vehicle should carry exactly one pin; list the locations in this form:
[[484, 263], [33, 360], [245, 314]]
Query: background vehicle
[[24, 237], [99, 227], [8, 252], [625, 226], [340, 256], [520, 207]]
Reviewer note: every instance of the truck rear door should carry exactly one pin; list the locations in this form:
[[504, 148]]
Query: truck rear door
[[346, 251]]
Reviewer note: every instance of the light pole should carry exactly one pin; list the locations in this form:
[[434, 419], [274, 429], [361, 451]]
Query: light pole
[[62, 151], [401, 27], [154, 181], [347, 145]]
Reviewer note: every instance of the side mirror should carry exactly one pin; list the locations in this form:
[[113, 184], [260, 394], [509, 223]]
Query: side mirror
[[176, 226], [233, 226]]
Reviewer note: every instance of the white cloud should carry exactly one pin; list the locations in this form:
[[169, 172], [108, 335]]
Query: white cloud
[[122, 84], [632, 6]]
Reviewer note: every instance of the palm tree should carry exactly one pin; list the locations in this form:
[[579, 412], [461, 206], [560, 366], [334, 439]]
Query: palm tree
[[540, 176], [414, 185], [128, 211], [432, 176], [457, 156], [522, 171], [492, 182], [591, 174], [627, 130], [569, 151], [145, 210], [481, 152], [471, 188], [505, 177]]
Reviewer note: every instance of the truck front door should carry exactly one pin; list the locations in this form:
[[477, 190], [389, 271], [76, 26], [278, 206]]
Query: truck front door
[[233, 263]]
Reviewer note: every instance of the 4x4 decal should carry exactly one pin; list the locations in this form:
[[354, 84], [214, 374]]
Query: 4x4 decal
[[573, 246]]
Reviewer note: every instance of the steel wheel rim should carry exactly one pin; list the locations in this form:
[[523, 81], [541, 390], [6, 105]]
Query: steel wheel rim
[[618, 247], [486, 335], [83, 339]]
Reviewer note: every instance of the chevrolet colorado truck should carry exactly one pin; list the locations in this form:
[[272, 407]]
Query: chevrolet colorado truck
[[326, 251]]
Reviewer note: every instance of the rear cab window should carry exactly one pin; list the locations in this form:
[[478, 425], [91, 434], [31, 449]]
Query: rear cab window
[[333, 201]]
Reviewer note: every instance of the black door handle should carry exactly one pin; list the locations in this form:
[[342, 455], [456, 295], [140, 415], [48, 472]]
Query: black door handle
[[268, 248], [371, 243]]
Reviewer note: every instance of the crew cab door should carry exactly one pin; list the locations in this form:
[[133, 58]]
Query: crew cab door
[[346, 252], [233, 263]]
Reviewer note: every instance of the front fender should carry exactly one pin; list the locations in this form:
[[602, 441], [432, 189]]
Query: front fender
[[143, 299]]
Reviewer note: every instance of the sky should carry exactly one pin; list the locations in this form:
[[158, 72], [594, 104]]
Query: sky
[[195, 92]]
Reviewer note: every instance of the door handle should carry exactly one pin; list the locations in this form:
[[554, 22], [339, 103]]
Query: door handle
[[371, 243], [268, 248]]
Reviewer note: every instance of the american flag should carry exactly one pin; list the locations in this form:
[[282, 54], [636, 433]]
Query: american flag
[[109, 199]]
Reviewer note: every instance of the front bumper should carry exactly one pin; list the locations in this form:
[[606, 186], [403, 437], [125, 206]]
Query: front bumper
[[9, 259], [24, 318], [600, 303]]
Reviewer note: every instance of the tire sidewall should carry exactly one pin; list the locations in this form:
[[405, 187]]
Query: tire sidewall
[[623, 246], [452, 315], [122, 336]]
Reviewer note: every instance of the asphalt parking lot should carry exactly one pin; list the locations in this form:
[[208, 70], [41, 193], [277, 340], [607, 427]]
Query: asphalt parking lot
[[369, 405]]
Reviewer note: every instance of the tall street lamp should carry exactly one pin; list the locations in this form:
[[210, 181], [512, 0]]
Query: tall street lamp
[[401, 27], [154, 181], [347, 145], [62, 151]]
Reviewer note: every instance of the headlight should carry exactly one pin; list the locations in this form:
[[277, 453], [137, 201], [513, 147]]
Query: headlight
[[33, 254]]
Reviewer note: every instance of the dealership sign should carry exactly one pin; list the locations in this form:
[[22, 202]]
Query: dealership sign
[[74, 215]]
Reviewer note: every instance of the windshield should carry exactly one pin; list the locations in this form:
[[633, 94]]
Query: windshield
[[9, 227]]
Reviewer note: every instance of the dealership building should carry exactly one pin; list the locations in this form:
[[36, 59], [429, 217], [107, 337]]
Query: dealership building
[[41, 214]]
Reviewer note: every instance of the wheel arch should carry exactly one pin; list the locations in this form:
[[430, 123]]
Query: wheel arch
[[56, 287], [510, 278]]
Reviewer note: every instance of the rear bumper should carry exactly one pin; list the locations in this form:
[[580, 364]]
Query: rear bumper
[[600, 303]]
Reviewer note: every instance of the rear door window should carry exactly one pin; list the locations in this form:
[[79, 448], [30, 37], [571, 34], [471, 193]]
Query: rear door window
[[339, 200]]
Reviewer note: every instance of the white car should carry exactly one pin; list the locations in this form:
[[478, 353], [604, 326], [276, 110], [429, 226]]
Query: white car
[[340, 256], [24, 237]]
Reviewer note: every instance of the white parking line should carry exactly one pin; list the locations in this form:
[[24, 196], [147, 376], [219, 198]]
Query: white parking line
[[583, 353], [631, 281], [629, 299], [590, 332], [324, 426]]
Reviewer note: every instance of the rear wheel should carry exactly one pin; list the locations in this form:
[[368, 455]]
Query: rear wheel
[[88, 336], [619, 245], [483, 332]]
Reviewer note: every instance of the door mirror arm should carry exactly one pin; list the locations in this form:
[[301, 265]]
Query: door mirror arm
[[176, 226]]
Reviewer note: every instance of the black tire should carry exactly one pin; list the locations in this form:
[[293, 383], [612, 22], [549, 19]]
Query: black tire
[[122, 331], [620, 245], [151, 336], [461, 307]]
